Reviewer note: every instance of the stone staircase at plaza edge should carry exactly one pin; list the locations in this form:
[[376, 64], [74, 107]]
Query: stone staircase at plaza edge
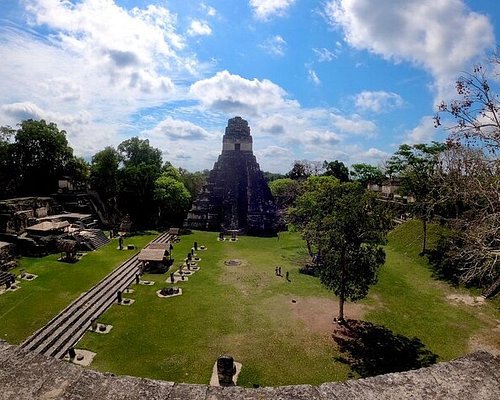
[[66, 328]]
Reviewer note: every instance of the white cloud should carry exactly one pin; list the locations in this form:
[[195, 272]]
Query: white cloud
[[442, 37], [313, 77], [175, 129], [354, 125], [425, 132], [275, 45], [378, 101], [211, 12], [265, 9], [233, 94], [324, 55], [199, 28]]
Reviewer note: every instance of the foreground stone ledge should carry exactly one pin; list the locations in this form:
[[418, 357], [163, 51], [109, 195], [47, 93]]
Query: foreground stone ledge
[[26, 375]]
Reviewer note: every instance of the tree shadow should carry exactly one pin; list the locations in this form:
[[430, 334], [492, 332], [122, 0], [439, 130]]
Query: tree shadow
[[371, 349]]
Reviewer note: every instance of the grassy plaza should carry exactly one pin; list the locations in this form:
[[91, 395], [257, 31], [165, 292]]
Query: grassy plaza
[[279, 330]]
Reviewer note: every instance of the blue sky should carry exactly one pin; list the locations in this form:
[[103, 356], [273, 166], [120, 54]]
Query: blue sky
[[317, 80]]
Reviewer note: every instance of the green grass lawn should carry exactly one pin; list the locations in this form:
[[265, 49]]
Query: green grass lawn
[[247, 311], [24, 311]]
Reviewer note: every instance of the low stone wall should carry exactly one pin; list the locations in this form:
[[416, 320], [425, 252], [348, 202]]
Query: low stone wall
[[26, 375]]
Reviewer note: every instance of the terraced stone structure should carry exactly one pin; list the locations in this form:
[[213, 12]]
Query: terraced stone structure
[[236, 195]]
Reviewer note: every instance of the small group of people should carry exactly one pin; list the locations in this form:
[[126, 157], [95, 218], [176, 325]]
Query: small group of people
[[277, 272]]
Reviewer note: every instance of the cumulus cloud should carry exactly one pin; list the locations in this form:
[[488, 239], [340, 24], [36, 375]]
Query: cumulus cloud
[[265, 9], [234, 94], [134, 48], [378, 101], [177, 129], [425, 132], [275, 45], [354, 125], [440, 36], [28, 110], [199, 28]]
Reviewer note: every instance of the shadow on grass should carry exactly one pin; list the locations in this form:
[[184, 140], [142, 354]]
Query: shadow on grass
[[371, 349]]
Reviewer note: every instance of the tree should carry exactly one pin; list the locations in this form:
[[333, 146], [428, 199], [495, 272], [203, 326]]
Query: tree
[[8, 173], [193, 181], [173, 200], [285, 191], [367, 174], [476, 112], [79, 171], [347, 225], [104, 173], [469, 250], [142, 166], [416, 166], [302, 169], [336, 169], [41, 154]]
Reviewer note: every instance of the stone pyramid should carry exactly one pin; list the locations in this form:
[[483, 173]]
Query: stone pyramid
[[236, 195]]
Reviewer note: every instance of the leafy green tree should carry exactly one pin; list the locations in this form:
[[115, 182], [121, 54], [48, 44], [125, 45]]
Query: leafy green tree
[[336, 169], [367, 174], [79, 170], [347, 226], [193, 181], [142, 166], [173, 200], [285, 191], [104, 173], [41, 154], [302, 169], [8, 172], [416, 167]]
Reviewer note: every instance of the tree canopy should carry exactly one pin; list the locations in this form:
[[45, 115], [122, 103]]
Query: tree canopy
[[346, 226]]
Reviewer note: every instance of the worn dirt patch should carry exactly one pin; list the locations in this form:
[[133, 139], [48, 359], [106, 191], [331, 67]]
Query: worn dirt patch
[[481, 343], [317, 313], [466, 299]]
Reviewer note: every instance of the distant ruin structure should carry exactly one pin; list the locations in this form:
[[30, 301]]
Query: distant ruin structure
[[236, 196]]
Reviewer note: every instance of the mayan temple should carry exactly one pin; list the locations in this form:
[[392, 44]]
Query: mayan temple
[[236, 195]]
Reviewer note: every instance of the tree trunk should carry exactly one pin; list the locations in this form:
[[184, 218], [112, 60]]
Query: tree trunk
[[342, 291], [341, 307], [309, 248]]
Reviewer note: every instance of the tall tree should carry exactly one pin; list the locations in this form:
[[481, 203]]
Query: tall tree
[[347, 226], [104, 173], [173, 200], [285, 191], [416, 166], [367, 174], [336, 169], [476, 112], [142, 166], [41, 153], [8, 172]]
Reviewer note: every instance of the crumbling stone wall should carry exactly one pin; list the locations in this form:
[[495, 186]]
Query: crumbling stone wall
[[19, 213], [26, 375]]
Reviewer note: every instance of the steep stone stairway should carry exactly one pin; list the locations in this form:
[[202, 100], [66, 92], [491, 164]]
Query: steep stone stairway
[[66, 328]]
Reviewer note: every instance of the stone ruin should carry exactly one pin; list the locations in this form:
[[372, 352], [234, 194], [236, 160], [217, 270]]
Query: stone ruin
[[236, 196], [27, 375]]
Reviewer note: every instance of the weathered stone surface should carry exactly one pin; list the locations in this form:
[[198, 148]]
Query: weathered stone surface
[[26, 375], [236, 195]]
